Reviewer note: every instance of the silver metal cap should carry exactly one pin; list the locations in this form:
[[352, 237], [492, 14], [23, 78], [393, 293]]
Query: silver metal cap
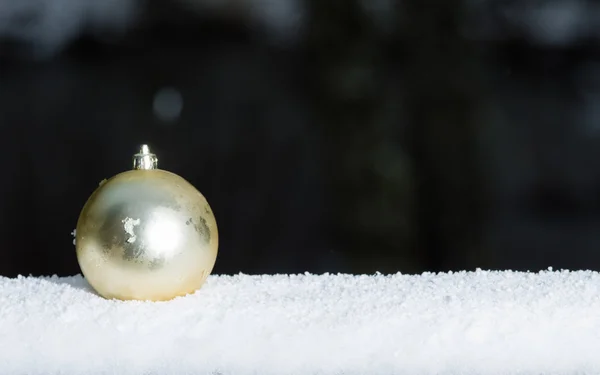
[[145, 159]]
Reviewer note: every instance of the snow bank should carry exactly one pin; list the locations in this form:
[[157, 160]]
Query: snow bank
[[463, 323]]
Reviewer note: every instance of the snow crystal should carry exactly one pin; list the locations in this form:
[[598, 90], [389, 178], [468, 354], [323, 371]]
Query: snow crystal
[[468, 322]]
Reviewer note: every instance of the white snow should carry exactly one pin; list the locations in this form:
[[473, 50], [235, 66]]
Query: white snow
[[462, 323], [129, 225]]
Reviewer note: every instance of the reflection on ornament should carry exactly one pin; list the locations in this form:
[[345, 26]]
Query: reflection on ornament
[[146, 234]]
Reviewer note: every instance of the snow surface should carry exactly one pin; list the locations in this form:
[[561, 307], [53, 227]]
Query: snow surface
[[462, 323]]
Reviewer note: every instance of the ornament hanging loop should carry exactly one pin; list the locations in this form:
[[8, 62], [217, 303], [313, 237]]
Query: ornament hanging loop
[[145, 160]]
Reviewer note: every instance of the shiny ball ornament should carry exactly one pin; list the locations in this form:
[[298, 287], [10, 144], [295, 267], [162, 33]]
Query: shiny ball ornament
[[146, 234]]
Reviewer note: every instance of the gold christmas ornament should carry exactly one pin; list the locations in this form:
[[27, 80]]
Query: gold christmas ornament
[[146, 234]]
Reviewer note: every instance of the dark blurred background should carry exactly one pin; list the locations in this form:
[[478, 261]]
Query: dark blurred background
[[328, 136]]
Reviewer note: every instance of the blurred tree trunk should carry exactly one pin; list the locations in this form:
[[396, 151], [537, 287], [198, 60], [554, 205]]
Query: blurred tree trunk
[[356, 93], [445, 95], [397, 110]]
